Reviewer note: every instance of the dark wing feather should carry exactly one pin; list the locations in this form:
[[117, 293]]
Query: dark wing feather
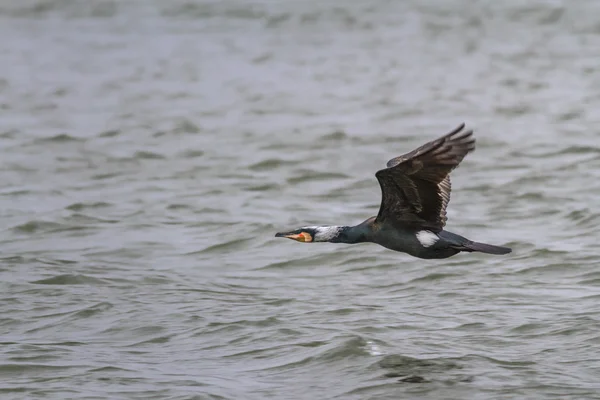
[[416, 186]]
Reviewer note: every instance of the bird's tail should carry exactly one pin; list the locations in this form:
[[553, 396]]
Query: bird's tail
[[486, 248]]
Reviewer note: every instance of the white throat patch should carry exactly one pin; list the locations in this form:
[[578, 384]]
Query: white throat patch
[[324, 233], [427, 238]]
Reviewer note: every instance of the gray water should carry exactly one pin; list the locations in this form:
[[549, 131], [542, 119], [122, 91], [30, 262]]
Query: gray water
[[150, 150]]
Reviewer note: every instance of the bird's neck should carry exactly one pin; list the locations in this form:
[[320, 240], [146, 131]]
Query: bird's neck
[[349, 234]]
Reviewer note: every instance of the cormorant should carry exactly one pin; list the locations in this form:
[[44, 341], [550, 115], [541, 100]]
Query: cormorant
[[415, 192]]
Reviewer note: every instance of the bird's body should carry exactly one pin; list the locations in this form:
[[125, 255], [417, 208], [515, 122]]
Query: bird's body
[[415, 192]]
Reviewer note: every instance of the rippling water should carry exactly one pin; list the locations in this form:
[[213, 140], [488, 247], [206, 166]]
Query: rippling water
[[150, 150]]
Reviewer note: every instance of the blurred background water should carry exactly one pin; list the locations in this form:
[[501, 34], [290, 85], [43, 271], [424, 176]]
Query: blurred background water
[[150, 150]]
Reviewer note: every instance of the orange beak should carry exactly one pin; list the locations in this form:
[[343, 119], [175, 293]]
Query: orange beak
[[299, 237]]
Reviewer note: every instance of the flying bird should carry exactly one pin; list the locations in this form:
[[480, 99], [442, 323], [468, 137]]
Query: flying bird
[[415, 191]]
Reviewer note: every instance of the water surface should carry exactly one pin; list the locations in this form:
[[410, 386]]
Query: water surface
[[150, 151]]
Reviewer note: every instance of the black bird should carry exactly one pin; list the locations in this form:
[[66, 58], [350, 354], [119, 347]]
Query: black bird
[[415, 191]]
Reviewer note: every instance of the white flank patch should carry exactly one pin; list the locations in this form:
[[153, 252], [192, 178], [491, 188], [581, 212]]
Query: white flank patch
[[427, 238], [324, 233]]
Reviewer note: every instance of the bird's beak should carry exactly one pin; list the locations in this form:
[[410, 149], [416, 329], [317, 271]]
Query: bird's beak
[[299, 237]]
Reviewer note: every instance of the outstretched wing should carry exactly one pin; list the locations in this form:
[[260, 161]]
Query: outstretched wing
[[416, 186]]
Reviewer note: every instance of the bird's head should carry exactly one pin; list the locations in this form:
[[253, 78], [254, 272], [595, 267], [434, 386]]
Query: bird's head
[[310, 234]]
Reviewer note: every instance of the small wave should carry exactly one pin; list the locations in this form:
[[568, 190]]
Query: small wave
[[410, 366], [512, 110], [584, 217], [278, 265], [148, 155], [407, 379], [566, 150], [316, 352], [191, 153], [342, 311], [415, 370], [222, 247], [276, 146], [334, 136], [469, 326], [186, 126], [10, 134], [569, 115], [309, 176], [303, 262], [111, 368], [206, 10], [16, 192], [263, 188], [360, 260], [590, 282], [19, 369], [39, 226], [177, 206], [261, 323], [84, 206], [352, 347], [47, 261], [561, 267], [73, 9], [537, 253], [261, 59], [61, 138], [373, 348], [93, 310], [210, 210], [155, 340], [435, 276], [109, 134], [61, 318], [108, 175], [497, 361], [528, 328], [84, 219], [269, 164], [68, 279]]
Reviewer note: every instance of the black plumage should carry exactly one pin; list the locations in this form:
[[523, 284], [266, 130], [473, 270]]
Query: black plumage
[[415, 193], [416, 186]]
